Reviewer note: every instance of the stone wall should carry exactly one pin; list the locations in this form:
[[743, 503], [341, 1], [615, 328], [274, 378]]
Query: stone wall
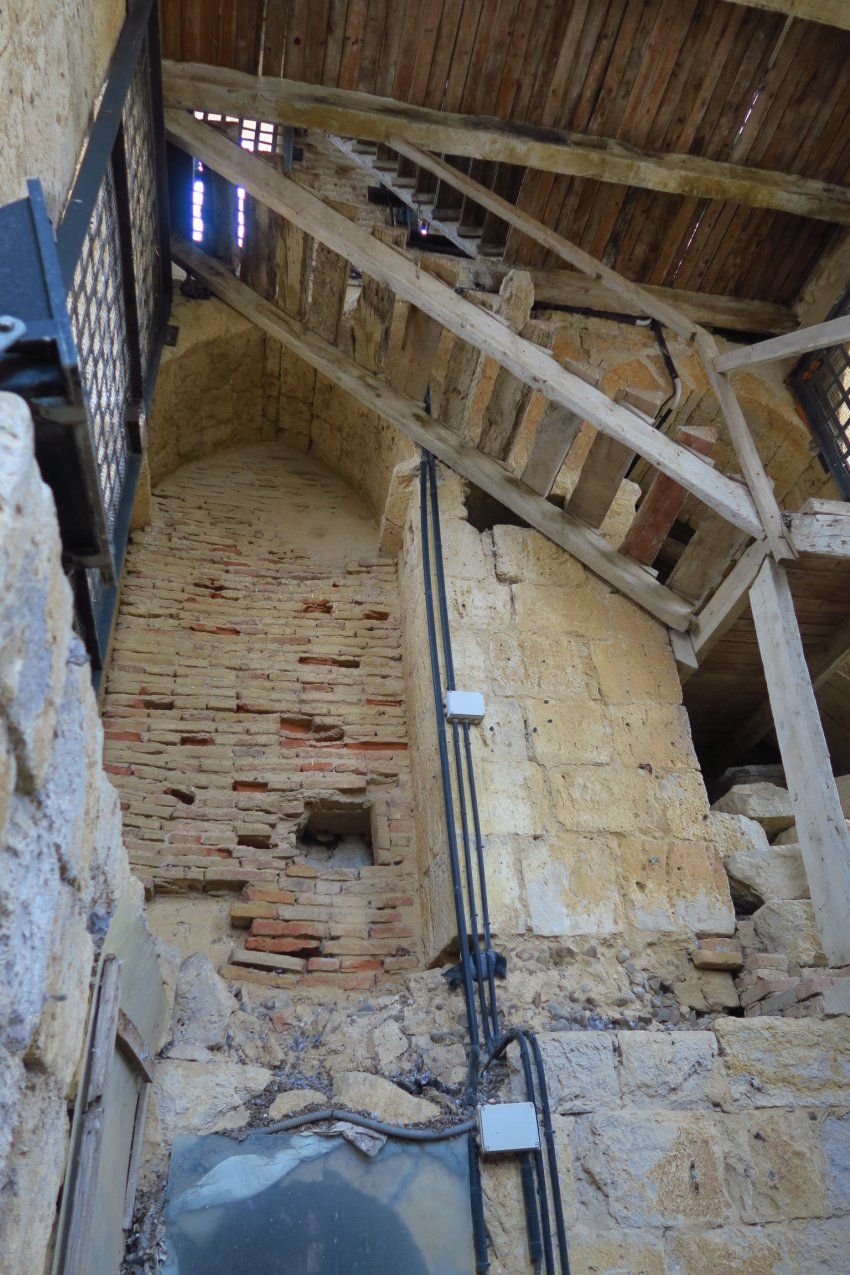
[[63, 865], [593, 808], [53, 61], [209, 391], [255, 682]]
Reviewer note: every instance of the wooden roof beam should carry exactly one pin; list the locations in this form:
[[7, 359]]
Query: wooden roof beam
[[554, 287], [527, 361], [193, 86], [820, 336], [831, 13], [409, 417]]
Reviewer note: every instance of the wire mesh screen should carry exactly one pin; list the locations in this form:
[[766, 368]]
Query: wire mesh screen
[[96, 306], [141, 182], [822, 384], [98, 321]]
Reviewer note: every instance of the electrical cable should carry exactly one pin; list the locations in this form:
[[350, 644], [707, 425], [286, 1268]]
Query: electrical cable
[[448, 661], [404, 1132], [448, 801], [533, 1165]]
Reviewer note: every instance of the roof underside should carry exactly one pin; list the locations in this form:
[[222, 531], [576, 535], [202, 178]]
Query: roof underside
[[719, 80]]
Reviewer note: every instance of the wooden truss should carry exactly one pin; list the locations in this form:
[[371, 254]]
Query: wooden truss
[[742, 511]]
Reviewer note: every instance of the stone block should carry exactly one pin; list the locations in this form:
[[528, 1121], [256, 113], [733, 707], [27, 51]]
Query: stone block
[[727, 1250], [767, 804], [642, 871], [510, 799], [11, 1091], [199, 1097], [656, 1169], [698, 890], [581, 1072], [294, 1101], [670, 1069], [634, 672], [835, 1152], [34, 1174], [571, 885], [764, 876], [783, 1062], [600, 799], [735, 834], [502, 859], [569, 732], [203, 1004], [790, 927], [58, 1041], [524, 555], [551, 610], [776, 1165], [656, 735], [360, 1091], [836, 998]]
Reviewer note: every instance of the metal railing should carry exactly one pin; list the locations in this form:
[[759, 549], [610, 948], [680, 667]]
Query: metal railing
[[114, 255]]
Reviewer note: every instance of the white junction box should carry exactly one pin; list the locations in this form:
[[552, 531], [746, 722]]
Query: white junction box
[[464, 706], [508, 1126]]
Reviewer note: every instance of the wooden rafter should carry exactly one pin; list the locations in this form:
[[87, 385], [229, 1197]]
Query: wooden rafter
[[409, 417], [194, 86], [632, 293], [818, 337], [528, 362]]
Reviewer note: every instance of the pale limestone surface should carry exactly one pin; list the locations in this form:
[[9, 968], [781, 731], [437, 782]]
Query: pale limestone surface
[[767, 875], [767, 804], [584, 762], [63, 865]]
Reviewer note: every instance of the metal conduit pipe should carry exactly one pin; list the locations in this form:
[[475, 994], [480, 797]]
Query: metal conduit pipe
[[445, 776], [534, 1165], [464, 821]]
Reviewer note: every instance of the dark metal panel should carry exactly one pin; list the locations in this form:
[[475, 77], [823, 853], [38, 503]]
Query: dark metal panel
[[81, 204]]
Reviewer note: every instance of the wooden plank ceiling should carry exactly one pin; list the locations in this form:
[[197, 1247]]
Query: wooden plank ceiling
[[720, 80]]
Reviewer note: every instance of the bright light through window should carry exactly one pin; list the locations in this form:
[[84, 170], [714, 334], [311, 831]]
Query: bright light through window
[[198, 203], [240, 215]]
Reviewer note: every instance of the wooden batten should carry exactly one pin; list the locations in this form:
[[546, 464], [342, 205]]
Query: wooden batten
[[601, 476], [425, 431], [555, 435], [663, 502]]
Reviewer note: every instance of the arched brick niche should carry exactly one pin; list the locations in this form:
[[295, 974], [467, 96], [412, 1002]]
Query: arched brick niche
[[255, 687]]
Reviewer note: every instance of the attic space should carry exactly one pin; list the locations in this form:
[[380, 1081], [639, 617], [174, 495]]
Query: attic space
[[425, 637]]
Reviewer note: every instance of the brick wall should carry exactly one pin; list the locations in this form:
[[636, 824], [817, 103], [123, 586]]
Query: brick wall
[[256, 676]]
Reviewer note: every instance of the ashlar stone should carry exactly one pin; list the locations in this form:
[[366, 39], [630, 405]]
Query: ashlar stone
[[581, 1072], [658, 1168], [763, 876], [785, 1062], [768, 804], [669, 1069]]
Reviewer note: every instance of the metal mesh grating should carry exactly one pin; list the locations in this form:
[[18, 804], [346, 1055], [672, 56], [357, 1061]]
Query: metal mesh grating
[[96, 308], [141, 181], [822, 384]]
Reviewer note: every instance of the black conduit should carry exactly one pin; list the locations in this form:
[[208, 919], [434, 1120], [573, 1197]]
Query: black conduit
[[536, 1184], [448, 801], [486, 1019]]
